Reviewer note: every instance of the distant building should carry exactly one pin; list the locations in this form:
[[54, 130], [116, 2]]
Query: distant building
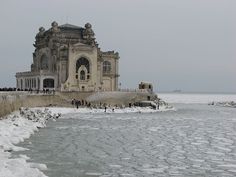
[[146, 85], [67, 58]]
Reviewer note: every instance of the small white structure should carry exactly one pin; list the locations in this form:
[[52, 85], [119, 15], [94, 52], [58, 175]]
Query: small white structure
[[146, 85]]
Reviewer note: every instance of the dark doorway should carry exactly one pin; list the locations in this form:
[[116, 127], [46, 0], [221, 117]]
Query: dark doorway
[[48, 83]]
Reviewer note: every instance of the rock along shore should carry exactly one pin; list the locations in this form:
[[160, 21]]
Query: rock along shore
[[14, 129]]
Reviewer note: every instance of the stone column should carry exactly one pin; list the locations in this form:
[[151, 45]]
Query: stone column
[[17, 83], [29, 83], [41, 83], [24, 83], [36, 85]]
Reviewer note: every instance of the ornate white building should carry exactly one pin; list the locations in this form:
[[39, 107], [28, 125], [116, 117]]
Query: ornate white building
[[67, 58]]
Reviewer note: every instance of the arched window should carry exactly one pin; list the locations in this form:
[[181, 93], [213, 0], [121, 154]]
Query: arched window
[[44, 62], [80, 62], [106, 67], [82, 75]]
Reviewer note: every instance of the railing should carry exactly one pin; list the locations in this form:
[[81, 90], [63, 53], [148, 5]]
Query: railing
[[131, 90]]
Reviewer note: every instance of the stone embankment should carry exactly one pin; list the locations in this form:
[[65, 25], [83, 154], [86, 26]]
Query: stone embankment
[[11, 101], [121, 97]]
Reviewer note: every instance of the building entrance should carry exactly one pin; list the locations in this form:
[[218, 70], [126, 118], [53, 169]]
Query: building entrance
[[48, 83]]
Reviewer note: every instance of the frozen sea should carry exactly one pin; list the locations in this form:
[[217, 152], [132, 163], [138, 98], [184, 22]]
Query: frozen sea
[[194, 140]]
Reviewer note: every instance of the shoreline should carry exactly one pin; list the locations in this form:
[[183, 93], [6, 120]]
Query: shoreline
[[15, 128], [10, 102], [20, 125]]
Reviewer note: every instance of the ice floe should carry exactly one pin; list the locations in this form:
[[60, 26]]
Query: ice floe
[[231, 104], [193, 98], [22, 124]]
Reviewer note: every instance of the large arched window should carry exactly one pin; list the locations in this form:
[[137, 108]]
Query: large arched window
[[82, 75], [80, 62], [106, 67], [44, 62]]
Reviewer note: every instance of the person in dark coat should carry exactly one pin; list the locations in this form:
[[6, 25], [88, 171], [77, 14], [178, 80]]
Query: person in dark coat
[[77, 104], [73, 102]]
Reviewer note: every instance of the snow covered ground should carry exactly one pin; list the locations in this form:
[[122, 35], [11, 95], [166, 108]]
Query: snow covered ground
[[56, 110], [14, 129]]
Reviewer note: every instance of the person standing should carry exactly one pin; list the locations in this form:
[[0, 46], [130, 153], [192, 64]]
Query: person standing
[[77, 104], [73, 102]]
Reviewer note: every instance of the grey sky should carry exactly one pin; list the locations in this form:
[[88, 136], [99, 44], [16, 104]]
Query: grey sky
[[176, 44]]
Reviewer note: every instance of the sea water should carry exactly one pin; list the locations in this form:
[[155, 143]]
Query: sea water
[[194, 140]]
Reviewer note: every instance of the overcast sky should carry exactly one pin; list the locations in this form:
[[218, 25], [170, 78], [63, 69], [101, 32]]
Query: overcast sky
[[176, 44]]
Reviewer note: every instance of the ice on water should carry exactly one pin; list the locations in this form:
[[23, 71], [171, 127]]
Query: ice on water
[[12, 131], [196, 98], [194, 140]]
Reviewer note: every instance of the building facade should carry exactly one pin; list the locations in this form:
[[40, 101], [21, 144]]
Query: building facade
[[67, 58]]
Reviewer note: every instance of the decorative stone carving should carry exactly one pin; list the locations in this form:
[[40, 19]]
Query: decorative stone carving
[[64, 53], [39, 37], [82, 47], [41, 32], [110, 54], [32, 67], [55, 28], [88, 34]]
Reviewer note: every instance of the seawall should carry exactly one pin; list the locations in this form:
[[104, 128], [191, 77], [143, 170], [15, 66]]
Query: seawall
[[11, 101], [119, 98]]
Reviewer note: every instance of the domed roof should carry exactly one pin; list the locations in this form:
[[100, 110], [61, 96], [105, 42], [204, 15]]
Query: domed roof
[[69, 26]]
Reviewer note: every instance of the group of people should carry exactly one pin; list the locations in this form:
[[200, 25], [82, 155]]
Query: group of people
[[48, 91], [78, 103], [45, 91], [113, 109]]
